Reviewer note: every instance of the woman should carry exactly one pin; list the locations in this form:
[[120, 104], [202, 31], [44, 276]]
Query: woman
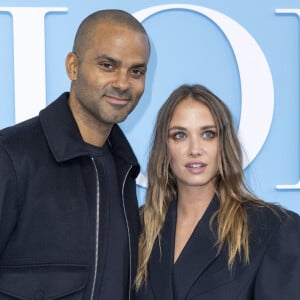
[[205, 236]]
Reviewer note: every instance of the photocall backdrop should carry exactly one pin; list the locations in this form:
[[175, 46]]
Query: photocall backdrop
[[247, 52]]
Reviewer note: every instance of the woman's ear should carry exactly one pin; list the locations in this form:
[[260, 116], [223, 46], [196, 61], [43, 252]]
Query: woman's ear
[[71, 64]]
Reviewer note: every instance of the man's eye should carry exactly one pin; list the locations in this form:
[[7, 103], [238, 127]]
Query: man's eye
[[106, 66], [137, 72]]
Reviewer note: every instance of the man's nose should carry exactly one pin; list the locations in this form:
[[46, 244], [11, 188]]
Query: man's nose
[[121, 80]]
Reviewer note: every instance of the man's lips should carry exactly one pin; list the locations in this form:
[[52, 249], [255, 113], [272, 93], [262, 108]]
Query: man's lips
[[114, 100]]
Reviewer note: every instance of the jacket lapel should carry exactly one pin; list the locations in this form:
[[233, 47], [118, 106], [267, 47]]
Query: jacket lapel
[[197, 255]]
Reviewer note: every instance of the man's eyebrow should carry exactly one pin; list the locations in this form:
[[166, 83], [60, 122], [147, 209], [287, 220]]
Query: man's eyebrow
[[108, 58], [140, 65], [118, 62]]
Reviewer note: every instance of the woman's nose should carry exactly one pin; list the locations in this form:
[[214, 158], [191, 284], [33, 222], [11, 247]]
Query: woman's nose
[[195, 148]]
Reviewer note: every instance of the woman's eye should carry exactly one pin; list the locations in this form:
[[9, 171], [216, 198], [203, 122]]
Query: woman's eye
[[179, 135], [209, 134]]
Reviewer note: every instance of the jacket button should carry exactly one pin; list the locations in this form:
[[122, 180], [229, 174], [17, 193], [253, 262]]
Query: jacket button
[[39, 294]]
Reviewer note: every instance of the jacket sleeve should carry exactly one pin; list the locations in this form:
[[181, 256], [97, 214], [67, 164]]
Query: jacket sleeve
[[8, 197], [279, 273]]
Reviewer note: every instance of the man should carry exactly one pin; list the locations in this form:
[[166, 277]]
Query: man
[[68, 208]]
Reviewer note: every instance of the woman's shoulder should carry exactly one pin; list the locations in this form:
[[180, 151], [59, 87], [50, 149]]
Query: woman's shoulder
[[270, 214], [274, 239], [273, 223]]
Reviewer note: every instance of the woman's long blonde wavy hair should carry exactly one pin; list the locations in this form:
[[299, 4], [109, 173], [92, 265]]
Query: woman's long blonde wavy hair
[[230, 186]]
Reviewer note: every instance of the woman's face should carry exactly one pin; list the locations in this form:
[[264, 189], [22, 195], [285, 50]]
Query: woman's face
[[193, 145]]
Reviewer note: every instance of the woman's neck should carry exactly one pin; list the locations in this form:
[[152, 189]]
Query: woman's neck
[[193, 201]]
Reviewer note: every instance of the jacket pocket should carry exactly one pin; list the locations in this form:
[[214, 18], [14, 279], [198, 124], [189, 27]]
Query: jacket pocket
[[43, 282]]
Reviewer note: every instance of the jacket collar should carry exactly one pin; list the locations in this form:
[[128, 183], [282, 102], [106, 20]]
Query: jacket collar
[[65, 141], [198, 253]]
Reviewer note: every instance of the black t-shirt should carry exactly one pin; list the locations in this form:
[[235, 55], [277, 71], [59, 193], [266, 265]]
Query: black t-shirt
[[113, 260]]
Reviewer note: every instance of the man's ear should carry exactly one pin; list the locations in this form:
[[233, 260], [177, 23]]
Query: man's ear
[[71, 64]]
